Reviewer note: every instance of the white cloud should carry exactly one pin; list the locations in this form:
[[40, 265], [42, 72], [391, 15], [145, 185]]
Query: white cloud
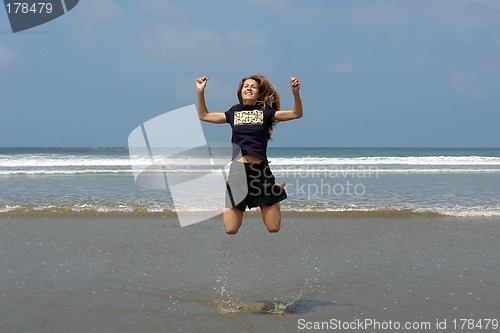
[[283, 10], [341, 68], [370, 14], [168, 10], [6, 55], [176, 43], [468, 85], [217, 92], [95, 18], [465, 14], [449, 13]]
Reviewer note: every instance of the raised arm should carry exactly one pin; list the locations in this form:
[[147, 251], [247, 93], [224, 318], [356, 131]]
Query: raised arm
[[296, 112], [203, 114]]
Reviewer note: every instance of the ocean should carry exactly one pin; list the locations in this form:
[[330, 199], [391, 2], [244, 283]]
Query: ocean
[[335, 181], [372, 240]]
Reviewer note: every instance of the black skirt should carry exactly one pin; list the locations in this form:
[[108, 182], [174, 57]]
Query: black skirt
[[252, 185]]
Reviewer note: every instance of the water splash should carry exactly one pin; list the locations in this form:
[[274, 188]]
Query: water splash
[[274, 307], [231, 302], [227, 303], [279, 307]]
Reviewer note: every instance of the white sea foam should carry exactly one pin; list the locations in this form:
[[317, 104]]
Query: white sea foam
[[390, 160], [345, 211], [77, 164], [67, 161]]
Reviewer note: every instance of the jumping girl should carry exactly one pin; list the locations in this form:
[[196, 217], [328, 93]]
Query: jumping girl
[[252, 121]]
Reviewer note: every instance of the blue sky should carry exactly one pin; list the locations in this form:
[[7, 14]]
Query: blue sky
[[384, 73]]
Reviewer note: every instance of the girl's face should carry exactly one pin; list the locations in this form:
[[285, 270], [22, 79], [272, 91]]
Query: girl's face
[[250, 92]]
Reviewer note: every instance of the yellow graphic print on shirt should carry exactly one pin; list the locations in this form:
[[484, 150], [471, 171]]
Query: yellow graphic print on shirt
[[255, 117]]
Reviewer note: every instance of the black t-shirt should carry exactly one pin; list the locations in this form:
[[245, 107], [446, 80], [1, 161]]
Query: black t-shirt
[[250, 124]]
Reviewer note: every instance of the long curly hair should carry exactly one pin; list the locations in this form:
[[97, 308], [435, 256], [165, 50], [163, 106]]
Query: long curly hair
[[268, 95]]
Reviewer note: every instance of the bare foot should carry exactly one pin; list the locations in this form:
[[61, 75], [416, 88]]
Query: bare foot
[[283, 184]]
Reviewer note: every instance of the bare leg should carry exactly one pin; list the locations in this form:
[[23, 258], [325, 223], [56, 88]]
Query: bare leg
[[271, 216], [233, 218]]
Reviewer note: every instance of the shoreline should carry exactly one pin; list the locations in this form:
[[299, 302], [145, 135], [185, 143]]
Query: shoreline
[[50, 211]]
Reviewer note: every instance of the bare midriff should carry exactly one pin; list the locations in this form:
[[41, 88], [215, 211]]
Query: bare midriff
[[250, 159]]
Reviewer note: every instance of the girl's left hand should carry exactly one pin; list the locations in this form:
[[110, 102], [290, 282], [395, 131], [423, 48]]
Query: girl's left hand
[[295, 84]]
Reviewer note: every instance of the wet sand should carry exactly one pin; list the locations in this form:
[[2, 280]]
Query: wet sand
[[130, 274]]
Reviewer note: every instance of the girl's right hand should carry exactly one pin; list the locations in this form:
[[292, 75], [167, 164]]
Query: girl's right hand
[[201, 83]]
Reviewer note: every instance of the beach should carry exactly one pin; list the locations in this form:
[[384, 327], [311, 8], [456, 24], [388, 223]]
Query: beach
[[372, 240], [130, 274]]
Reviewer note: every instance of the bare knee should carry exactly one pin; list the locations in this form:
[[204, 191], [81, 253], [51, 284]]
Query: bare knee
[[272, 217], [232, 220], [231, 230], [273, 228]]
